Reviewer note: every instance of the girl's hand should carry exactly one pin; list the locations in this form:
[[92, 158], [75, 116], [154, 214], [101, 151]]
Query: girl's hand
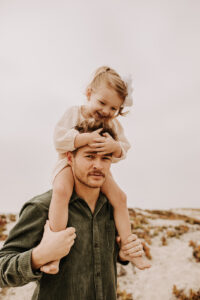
[[106, 144], [95, 137], [83, 139]]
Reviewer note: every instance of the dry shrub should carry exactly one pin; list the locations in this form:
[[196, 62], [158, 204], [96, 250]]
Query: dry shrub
[[182, 229], [164, 241], [139, 226], [171, 233], [196, 250], [143, 235], [145, 231], [146, 250], [180, 294], [12, 217], [166, 214], [3, 223], [3, 293], [122, 295], [121, 271]]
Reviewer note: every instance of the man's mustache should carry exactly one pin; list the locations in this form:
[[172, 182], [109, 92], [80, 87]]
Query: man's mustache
[[97, 173]]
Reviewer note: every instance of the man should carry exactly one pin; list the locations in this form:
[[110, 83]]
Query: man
[[88, 265]]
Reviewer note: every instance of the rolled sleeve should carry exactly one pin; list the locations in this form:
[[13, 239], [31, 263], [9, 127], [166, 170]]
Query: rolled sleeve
[[16, 254], [64, 141], [64, 133], [122, 140], [25, 266]]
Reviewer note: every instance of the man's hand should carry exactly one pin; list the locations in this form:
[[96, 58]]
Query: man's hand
[[53, 246], [132, 247]]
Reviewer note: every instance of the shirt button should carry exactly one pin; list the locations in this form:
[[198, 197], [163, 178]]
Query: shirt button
[[98, 274], [96, 245]]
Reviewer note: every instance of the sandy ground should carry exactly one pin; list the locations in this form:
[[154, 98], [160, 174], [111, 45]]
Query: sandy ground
[[172, 264]]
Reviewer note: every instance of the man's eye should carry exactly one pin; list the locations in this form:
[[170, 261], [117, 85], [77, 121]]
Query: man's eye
[[90, 156], [106, 158]]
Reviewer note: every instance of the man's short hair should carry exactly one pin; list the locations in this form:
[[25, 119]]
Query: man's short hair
[[90, 125]]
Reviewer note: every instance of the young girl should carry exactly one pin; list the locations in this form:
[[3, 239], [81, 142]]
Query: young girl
[[107, 94]]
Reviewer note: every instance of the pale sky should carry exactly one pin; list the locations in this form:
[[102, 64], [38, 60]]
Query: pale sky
[[48, 52]]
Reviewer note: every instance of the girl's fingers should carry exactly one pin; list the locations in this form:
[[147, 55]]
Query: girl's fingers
[[106, 134], [98, 130], [104, 153], [97, 146], [99, 140]]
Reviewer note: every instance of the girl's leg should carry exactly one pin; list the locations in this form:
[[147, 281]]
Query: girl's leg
[[121, 215], [118, 200], [58, 210]]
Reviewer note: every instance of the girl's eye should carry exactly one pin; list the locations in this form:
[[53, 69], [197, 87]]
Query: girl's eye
[[114, 109], [101, 102]]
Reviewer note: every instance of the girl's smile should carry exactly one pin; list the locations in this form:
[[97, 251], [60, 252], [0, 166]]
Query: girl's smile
[[103, 103]]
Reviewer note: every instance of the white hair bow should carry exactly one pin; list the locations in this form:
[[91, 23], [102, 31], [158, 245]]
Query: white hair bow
[[129, 98]]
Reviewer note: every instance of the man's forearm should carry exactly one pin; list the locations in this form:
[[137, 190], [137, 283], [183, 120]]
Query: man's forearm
[[37, 258]]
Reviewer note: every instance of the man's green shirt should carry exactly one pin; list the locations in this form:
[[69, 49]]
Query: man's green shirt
[[88, 272]]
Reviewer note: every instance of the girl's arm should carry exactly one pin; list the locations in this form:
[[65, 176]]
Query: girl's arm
[[66, 138], [122, 141], [119, 148], [64, 133], [81, 139]]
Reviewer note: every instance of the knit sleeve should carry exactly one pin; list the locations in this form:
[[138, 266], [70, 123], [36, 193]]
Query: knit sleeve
[[64, 133], [124, 143]]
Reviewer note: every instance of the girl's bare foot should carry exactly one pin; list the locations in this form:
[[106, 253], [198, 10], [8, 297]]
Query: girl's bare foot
[[51, 268], [132, 250], [140, 262]]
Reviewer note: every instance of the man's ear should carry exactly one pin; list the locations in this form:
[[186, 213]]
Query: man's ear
[[69, 157], [88, 93]]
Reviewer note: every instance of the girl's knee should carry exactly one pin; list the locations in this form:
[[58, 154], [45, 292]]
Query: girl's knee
[[123, 198], [121, 201], [63, 184], [59, 189]]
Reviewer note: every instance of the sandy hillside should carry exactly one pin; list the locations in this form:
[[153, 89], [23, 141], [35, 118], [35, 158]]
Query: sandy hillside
[[172, 245]]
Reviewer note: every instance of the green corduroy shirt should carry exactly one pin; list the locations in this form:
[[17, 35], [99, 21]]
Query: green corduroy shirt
[[88, 272]]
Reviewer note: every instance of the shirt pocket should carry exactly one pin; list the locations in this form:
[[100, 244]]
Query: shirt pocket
[[110, 234]]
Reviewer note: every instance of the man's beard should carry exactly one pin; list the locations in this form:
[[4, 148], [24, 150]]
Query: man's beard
[[86, 183]]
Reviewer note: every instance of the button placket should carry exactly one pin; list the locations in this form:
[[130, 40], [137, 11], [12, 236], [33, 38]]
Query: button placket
[[97, 261]]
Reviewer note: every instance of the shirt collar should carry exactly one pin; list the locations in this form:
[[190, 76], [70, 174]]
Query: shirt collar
[[101, 200]]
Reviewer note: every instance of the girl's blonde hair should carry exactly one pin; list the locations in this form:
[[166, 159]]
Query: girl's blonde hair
[[112, 79]]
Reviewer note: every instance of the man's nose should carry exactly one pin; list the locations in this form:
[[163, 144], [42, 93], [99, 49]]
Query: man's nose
[[97, 164]]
